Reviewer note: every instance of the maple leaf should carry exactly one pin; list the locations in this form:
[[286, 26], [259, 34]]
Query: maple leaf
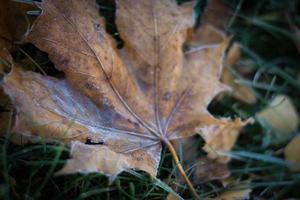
[[214, 20], [128, 101], [221, 138], [218, 137], [241, 92]]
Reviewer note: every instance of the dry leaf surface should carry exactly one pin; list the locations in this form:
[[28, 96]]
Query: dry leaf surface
[[172, 197], [221, 138], [210, 33], [218, 138], [126, 102], [281, 116], [209, 169], [240, 191], [241, 92]]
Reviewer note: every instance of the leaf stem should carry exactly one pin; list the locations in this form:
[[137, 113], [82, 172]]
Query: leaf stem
[[180, 168]]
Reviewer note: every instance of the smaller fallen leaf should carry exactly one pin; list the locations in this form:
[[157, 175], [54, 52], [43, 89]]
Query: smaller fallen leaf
[[236, 189], [234, 54], [292, 153], [208, 170], [171, 196], [281, 117], [221, 138], [240, 191], [238, 194], [241, 92]]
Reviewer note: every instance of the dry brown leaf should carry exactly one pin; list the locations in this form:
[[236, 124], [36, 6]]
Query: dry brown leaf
[[241, 92], [240, 191], [221, 138], [129, 101], [208, 35], [292, 153], [218, 138], [211, 32], [281, 116], [208, 170], [204, 169], [173, 197]]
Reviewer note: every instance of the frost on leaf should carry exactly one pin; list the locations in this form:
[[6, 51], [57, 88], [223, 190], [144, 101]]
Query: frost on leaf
[[127, 101]]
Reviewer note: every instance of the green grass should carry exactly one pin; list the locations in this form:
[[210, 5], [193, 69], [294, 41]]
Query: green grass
[[27, 171]]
